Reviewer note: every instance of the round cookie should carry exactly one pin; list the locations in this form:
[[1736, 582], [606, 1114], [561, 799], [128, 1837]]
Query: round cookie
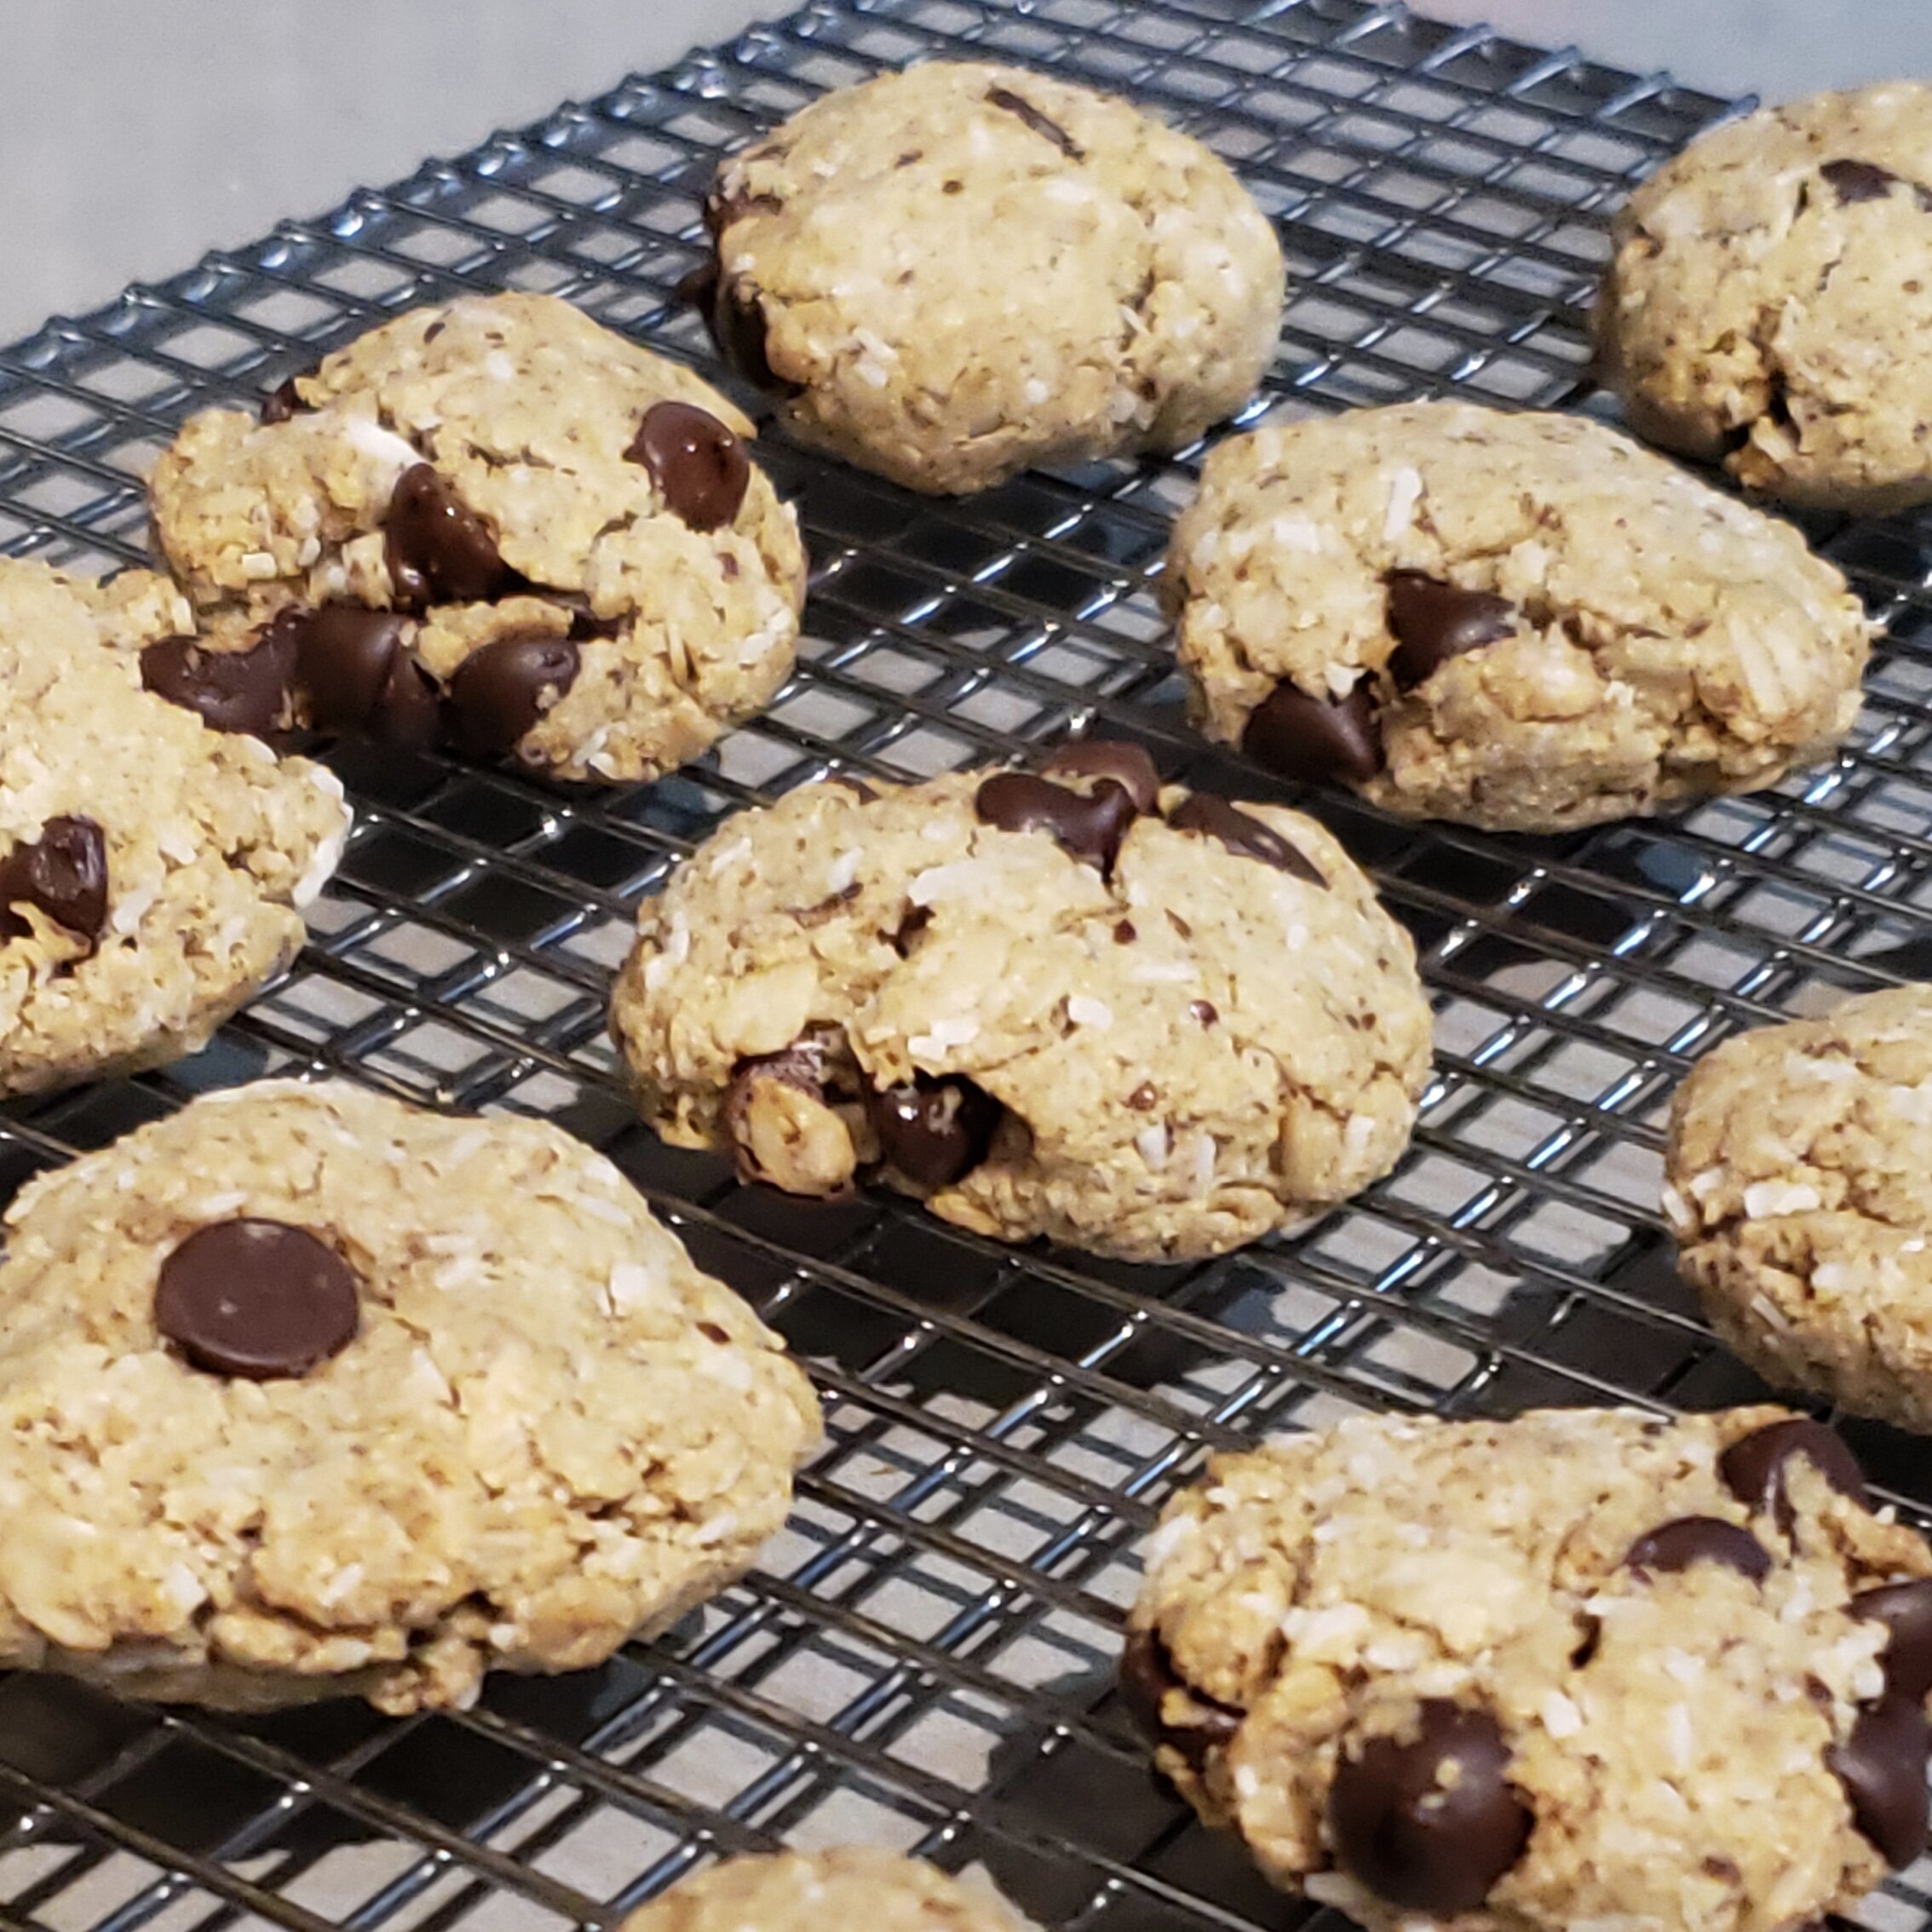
[[953, 273], [1770, 300], [152, 872], [1523, 622], [308, 1392], [493, 523], [1797, 1184], [1586, 1668], [1145, 1023], [809, 1891]]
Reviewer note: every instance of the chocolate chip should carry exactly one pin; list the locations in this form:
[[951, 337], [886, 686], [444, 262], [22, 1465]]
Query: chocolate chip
[[1882, 1765], [1147, 1675], [498, 692], [64, 873], [256, 1298], [801, 1065], [1009, 102], [720, 210], [283, 401], [697, 464], [1753, 1468], [1203, 1010], [1144, 1099], [1433, 1824], [935, 1131], [358, 673], [1675, 1546], [1309, 738], [736, 320], [1906, 1610], [1243, 834], [438, 549], [1852, 182], [1090, 828], [1124, 933], [1434, 622], [1127, 765], [228, 690]]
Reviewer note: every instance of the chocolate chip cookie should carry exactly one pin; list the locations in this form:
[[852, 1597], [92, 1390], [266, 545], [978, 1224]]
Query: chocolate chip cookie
[[1769, 301], [810, 1891], [1524, 621], [1798, 1187], [1073, 1002], [948, 274], [493, 524], [1586, 1668], [308, 1392], [152, 872]]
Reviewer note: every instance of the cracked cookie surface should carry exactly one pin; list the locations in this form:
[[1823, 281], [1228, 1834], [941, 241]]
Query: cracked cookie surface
[[948, 274], [152, 872], [493, 523], [1769, 300], [1797, 1184], [1524, 622], [1074, 1004], [535, 1431], [1588, 1667]]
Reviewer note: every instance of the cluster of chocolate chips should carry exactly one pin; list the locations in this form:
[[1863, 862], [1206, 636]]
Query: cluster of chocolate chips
[[256, 1299], [64, 874]]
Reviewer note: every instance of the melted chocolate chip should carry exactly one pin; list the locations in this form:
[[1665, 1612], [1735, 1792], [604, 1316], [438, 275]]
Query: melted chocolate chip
[[1417, 1837], [359, 674], [1241, 834], [1675, 1546], [438, 549], [256, 1298], [283, 401], [935, 1131], [1127, 765], [736, 320], [1090, 828], [501, 690], [1147, 1675], [1906, 1610], [228, 690], [1852, 182], [1882, 1767], [696, 461], [1434, 622], [1307, 738], [1753, 1468], [63, 872], [1009, 102]]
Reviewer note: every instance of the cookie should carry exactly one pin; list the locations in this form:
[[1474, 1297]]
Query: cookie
[[809, 1891], [948, 274], [308, 1392], [152, 872], [1079, 1005], [1797, 1186], [492, 523], [1769, 303], [1587, 1668], [1523, 622]]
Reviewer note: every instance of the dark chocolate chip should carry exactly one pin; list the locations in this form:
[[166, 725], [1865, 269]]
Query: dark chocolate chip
[[1853, 181], [1241, 834], [1127, 765], [1147, 1675], [1675, 1546], [498, 692], [63, 872], [1417, 1833], [1009, 102], [256, 1298], [283, 401], [1434, 622], [698, 288], [359, 674], [1310, 737], [736, 319], [229, 690], [1906, 1610], [1753, 1468], [1882, 1765], [438, 550], [935, 1131], [1203, 1010], [1090, 828], [699, 464], [801, 1065], [1124, 933]]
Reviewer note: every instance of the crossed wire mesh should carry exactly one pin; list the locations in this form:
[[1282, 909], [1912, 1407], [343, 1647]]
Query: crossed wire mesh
[[923, 1659]]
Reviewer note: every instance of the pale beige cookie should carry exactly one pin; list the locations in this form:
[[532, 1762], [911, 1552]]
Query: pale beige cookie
[[848, 1886], [1523, 622], [152, 872], [304, 1391], [1799, 1190], [951, 273], [493, 523], [1589, 1668], [1769, 302], [1057, 1005]]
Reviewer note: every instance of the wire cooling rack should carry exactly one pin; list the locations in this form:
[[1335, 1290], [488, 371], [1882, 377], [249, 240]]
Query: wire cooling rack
[[923, 1660]]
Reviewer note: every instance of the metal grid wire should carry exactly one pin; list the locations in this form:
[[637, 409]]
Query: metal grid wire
[[923, 1660]]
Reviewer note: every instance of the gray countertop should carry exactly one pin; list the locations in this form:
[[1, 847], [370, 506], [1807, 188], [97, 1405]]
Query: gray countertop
[[135, 134]]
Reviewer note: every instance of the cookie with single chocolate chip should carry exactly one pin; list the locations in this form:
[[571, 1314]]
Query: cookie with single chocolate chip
[[948, 274], [1589, 1667], [494, 524], [1524, 621], [1769, 301], [1071, 1003], [153, 872], [308, 1392], [1798, 1187]]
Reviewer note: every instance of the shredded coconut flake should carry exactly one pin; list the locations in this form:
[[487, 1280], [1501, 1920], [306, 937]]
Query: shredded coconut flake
[[631, 1285], [1561, 1716], [1405, 492], [1086, 1011], [1766, 1198]]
